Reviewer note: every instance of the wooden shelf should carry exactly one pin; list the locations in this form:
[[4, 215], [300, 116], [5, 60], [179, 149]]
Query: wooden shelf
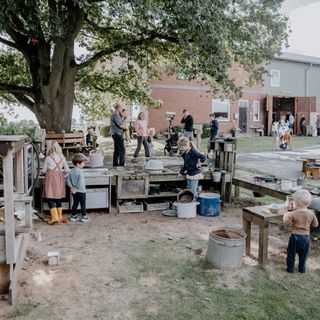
[[163, 194]]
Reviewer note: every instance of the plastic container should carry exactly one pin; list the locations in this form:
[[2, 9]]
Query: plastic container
[[96, 158], [186, 210], [216, 176], [209, 204], [226, 248]]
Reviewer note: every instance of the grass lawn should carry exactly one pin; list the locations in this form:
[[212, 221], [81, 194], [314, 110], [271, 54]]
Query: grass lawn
[[188, 288]]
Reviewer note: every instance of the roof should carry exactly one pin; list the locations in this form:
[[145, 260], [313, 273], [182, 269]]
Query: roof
[[288, 56]]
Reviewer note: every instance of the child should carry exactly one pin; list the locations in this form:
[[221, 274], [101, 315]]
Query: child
[[89, 137], [191, 157], [126, 133], [54, 184], [150, 141], [78, 188], [301, 219]]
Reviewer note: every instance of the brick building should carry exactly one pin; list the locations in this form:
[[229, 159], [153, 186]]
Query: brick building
[[177, 95], [296, 91]]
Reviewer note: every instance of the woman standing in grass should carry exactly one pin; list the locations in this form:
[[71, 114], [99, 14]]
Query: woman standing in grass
[[142, 135]]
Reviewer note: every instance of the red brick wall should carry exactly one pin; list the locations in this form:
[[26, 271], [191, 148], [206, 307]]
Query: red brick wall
[[198, 101]]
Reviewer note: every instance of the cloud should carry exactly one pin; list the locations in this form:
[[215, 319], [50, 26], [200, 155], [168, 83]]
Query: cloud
[[304, 24]]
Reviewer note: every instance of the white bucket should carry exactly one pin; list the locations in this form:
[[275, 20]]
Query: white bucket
[[286, 185], [226, 248], [186, 210], [216, 176], [96, 158]]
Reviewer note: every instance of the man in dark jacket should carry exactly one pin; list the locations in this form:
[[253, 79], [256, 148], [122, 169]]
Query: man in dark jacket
[[214, 126], [188, 125]]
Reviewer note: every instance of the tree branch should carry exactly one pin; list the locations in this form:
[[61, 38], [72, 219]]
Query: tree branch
[[14, 89], [9, 43], [98, 27], [134, 43], [25, 100]]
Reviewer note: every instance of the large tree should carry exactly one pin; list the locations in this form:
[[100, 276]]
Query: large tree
[[202, 38]]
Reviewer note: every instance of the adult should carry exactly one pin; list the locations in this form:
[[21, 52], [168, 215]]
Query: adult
[[302, 124], [188, 125], [117, 128], [142, 132], [318, 125], [214, 126], [291, 123]]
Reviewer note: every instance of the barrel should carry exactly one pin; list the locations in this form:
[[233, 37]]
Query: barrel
[[209, 204], [226, 248]]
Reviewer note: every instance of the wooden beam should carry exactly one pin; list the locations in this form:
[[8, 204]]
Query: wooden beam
[[8, 206]]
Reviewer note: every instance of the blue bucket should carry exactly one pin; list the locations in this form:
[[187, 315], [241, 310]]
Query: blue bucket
[[209, 204]]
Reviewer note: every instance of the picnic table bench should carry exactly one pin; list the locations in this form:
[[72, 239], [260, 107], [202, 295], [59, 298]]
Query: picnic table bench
[[261, 216], [264, 189], [69, 141]]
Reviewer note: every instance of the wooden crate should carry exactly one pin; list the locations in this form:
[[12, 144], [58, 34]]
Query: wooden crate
[[155, 205], [130, 207]]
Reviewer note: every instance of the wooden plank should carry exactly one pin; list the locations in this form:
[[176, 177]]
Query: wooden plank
[[260, 188], [19, 171], [8, 206], [263, 245], [247, 230], [17, 269]]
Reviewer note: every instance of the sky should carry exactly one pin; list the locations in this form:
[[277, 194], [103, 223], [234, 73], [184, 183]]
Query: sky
[[304, 22]]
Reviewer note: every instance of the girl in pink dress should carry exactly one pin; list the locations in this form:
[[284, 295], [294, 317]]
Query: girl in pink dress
[[54, 167]]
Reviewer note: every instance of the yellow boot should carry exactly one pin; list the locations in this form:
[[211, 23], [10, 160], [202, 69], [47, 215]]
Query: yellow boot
[[59, 214], [54, 216]]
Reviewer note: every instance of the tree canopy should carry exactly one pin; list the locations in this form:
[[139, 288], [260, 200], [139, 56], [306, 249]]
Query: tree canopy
[[125, 43]]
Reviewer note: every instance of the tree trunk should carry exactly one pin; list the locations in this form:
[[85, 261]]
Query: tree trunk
[[55, 105]]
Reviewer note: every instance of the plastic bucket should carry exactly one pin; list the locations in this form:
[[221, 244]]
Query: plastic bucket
[[96, 158], [209, 204], [186, 210], [216, 176], [226, 248]]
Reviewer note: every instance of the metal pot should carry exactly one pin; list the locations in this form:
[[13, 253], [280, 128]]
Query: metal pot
[[186, 210]]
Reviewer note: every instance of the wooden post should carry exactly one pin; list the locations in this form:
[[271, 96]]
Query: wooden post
[[19, 172], [263, 244], [8, 206], [247, 230]]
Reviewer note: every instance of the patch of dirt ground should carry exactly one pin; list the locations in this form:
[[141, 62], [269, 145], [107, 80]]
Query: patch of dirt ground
[[104, 265]]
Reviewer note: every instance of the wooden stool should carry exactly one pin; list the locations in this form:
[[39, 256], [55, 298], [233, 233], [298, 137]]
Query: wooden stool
[[305, 162], [313, 173]]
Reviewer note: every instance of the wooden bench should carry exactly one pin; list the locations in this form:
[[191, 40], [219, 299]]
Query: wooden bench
[[68, 141]]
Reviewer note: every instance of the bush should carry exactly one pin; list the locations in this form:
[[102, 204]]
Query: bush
[[177, 128], [16, 129], [206, 130], [105, 131]]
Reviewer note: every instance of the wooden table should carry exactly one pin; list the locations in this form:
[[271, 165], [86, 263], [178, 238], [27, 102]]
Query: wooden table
[[266, 189], [259, 215]]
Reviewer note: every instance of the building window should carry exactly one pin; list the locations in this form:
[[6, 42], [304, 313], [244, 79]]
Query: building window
[[275, 78], [221, 108], [256, 110]]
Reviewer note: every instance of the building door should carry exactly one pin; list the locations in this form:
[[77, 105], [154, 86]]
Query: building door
[[243, 115], [303, 106]]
